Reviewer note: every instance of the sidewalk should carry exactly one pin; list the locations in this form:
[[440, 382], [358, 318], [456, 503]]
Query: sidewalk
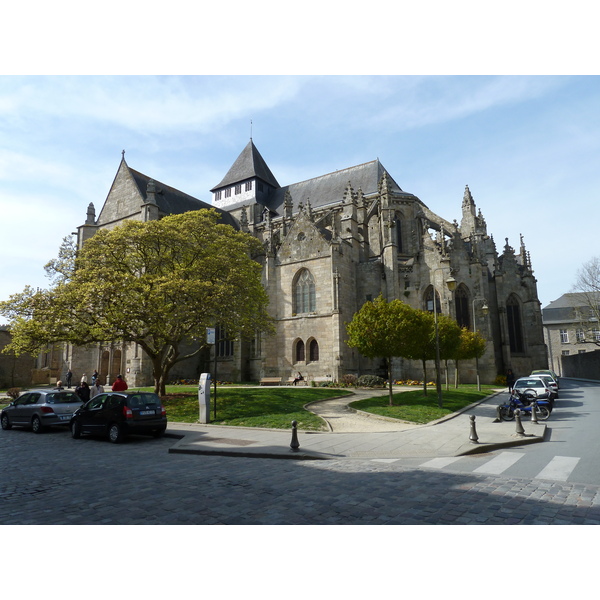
[[447, 437]]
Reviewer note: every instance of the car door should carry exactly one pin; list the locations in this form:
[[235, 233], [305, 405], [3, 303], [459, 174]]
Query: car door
[[17, 411], [29, 407], [92, 415]]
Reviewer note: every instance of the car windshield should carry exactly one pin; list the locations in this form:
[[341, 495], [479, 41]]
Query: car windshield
[[62, 398], [136, 400], [529, 383]]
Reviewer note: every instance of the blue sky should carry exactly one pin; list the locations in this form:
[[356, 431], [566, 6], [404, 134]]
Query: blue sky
[[527, 146]]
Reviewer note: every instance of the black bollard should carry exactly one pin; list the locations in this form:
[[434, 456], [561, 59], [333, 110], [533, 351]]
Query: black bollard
[[473, 435], [295, 444], [520, 430]]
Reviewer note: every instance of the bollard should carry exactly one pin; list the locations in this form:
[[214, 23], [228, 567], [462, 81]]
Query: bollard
[[295, 444], [473, 435], [534, 408], [520, 430]]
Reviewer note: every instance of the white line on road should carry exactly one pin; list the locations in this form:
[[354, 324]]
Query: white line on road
[[499, 463], [559, 468]]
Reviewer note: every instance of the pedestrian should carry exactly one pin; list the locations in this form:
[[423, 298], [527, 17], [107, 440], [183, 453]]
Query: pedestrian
[[120, 385], [94, 376], [59, 386], [298, 378], [96, 389], [83, 391], [84, 378], [510, 380], [69, 377]]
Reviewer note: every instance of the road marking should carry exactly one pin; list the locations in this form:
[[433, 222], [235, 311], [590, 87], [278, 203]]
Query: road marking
[[440, 463], [385, 460], [559, 468], [499, 463]]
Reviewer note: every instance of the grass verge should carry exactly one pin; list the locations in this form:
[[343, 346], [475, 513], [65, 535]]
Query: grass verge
[[413, 406]]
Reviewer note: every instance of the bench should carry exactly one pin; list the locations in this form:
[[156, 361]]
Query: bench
[[270, 381]]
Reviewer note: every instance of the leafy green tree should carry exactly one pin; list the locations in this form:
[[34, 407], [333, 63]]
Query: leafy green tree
[[449, 333], [158, 284], [472, 345], [382, 329]]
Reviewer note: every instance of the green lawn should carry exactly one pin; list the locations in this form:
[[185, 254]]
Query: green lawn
[[274, 407], [413, 406]]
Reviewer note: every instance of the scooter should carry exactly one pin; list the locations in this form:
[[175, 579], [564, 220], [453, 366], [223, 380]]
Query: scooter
[[525, 401]]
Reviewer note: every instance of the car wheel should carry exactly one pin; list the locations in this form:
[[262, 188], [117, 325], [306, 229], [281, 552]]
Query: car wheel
[[5, 422], [159, 432], [75, 430], [36, 425], [115, 434]]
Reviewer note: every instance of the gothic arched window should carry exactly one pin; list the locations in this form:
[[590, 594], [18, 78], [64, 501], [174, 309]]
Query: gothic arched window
[[313, 351], [429, 300], [304, 293], [463, 314], [515, 326], [299, 355]]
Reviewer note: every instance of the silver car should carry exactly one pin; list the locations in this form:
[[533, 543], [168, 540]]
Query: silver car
[[39, 409]]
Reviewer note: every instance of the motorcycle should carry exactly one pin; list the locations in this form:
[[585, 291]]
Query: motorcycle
[[525, 401]]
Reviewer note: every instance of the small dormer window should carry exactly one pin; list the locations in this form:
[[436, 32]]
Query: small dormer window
[[248, 186], [238, 188], [260, 186], [218, 195], [228, 193]]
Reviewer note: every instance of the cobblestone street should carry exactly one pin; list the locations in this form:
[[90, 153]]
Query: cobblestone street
[[52, 479]]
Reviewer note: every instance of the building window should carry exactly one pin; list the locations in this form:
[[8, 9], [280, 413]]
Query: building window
[[580, 335], [461, 298], [581, 352], [238, 188], [218, 195], [299, 351], [228, 193], [224, 346], [429, 300], [260, 186], [596, 335], [304, 293], [248, 186], [565, 353], [515, 329], [399, 235], [313, 351], [564, 336]]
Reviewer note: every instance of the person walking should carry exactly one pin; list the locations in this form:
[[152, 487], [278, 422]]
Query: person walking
[[510, 380], [69, 377], [83, 391]]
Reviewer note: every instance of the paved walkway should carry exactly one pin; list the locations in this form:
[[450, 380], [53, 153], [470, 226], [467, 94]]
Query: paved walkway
[[356, 435]]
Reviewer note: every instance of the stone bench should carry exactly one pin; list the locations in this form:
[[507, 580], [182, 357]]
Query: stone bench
[[270, 381]]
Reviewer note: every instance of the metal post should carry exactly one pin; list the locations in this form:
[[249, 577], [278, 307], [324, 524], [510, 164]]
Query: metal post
[[534, 412], [295, 444], [520, 430], [473, 435], [484, 308]]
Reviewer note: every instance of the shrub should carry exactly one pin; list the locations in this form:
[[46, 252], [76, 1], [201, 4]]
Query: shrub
[[500, 380], [349, 380], [13, 393], [370, 381]]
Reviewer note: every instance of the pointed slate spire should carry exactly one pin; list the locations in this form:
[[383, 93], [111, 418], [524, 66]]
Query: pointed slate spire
[[248, 165]]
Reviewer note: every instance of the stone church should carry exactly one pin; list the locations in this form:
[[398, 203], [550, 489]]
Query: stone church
[[332, 243]]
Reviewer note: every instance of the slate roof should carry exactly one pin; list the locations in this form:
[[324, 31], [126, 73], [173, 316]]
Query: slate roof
[[174, 202], [330, 188], [562, 310], [249, 164]]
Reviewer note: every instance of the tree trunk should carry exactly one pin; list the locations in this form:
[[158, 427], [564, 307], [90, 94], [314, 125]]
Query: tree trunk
[[389, 360], [424, 378]]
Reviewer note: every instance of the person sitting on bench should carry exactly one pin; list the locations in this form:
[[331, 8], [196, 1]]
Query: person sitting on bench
[[298, 378]]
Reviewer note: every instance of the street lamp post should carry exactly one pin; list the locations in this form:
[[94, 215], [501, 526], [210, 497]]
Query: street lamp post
[[451, 283], [484, 309]]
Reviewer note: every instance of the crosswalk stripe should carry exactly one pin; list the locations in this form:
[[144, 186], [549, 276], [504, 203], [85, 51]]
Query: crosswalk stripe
[[499, 463], [559, 468], [441, 462]]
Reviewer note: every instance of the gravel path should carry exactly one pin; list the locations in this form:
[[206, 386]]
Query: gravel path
[[342, 419]]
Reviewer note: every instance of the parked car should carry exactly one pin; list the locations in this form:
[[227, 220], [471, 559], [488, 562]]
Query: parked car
[[548, 372], [118, 414], [39, 409], [533, 383], [550, 383]]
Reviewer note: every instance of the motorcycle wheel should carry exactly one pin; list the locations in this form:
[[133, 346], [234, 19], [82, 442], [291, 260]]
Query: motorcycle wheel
[[507, 413], [543, 413]]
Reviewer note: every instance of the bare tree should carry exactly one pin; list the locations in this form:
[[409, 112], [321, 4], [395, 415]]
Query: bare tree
[[587, 286]]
